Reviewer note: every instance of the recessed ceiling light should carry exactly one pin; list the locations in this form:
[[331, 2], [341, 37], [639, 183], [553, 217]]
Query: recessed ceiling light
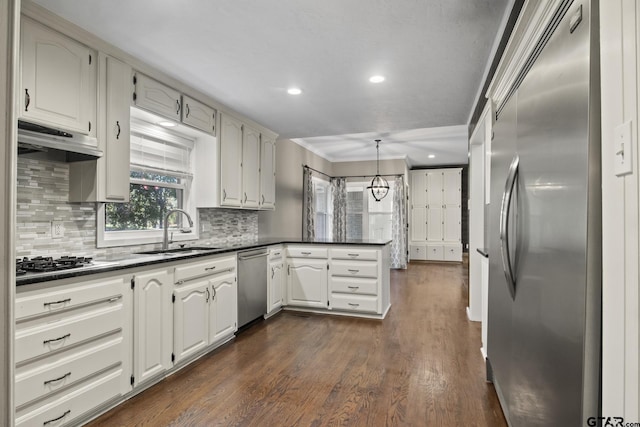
[[294, 91], [376, 79], [166, 124], [432, 156]]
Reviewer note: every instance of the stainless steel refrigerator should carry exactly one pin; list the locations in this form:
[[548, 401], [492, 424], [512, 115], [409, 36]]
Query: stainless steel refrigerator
[[544, 231]]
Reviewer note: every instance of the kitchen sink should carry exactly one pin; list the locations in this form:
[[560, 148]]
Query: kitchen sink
[[178, 251]]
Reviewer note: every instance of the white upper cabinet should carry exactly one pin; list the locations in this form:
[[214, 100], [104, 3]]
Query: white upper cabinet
[[156, 97], [107, 179], [198, 115], [419, 189], [230, 161], [58, 86], [267, 173], [116, 130], [250, 167]]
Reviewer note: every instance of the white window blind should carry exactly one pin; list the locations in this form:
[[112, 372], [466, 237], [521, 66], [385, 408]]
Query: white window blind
[[158, 151]]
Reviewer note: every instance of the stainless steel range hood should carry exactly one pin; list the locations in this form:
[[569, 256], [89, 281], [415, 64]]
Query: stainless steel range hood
[[53, 144]]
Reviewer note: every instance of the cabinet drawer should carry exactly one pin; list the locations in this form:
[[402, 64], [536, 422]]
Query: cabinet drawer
[[418, 252], [41, 339], [355, 254], [204, 268], [354, 268], [306, 252], [355, 285], [34, 303], [275, 253], [49, 376], [62, 409], [435, 252], [365, 303], [453, 252]]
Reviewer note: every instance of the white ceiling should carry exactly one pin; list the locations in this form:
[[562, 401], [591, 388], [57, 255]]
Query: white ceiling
[[246, 54]]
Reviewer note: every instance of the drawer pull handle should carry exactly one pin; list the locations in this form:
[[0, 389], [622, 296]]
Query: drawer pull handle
[[56, 339], [353, 287], [210, 268], [353, 254], [67, 412], [352, 271], [62, 301], [352, 304], [305, 253], [115, 298], [57, 379]]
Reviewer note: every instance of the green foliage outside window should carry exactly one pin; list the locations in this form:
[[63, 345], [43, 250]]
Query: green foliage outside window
[[149, 201]]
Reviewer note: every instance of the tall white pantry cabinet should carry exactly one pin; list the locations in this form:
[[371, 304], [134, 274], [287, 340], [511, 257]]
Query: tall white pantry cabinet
[[436, 214]]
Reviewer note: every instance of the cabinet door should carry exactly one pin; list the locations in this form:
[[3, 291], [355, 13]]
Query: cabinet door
[[58, 80], [452, 227], [434, 188], [452, 186], [223, 315], [157, 98], [230, 161], [116, 137], [434, 222], [418, 223], [307, 282], [275, 285], [153, 324], [267, 173], [198, 115], [419, 188], [191, 318], [250, 167]]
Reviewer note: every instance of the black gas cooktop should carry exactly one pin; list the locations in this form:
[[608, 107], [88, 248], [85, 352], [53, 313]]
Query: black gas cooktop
[[41, 264]]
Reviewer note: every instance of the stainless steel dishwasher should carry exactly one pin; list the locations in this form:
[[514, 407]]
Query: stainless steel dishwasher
[[252, 285]]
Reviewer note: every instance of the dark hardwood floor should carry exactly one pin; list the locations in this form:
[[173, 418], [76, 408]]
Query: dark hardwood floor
[[421, 366]]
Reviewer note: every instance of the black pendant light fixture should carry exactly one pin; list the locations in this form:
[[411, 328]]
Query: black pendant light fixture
[[379, 186]]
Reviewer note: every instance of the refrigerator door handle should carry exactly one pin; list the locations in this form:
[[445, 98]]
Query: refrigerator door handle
[[505, 209]]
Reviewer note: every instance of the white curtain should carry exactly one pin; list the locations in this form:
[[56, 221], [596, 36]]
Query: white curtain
[[308, 206], [399, 226], [339, 193]]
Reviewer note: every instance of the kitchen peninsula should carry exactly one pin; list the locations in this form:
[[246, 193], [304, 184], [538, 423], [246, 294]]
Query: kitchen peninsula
[[91, 337]]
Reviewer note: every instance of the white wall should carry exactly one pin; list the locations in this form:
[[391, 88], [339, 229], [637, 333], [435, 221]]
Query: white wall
[[619, 32], [9, 14]]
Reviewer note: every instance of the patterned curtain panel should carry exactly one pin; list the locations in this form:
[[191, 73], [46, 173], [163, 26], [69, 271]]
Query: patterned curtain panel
[[339, 193], [308, 206], [399, 226]]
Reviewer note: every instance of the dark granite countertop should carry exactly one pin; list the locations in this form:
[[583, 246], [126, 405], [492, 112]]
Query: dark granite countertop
[[140, 260]]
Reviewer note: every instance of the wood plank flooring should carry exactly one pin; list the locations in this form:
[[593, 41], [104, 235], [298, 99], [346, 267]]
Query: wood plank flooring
[[421, 366]]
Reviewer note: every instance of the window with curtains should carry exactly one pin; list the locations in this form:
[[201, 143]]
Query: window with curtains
[[367, 218], [323, 213], [160, 180]]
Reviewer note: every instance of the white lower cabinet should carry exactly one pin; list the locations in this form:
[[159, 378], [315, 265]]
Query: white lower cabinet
[[355, 281], [275, 280], [342, 279], [152, 324], [223, 309], [205, 305], [191, 314], [72, 348], [307, 282]]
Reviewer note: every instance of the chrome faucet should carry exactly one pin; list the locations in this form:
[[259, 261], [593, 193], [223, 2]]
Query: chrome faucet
[[165, 239]]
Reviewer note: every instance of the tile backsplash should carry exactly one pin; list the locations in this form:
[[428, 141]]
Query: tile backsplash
[[42, 194]]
